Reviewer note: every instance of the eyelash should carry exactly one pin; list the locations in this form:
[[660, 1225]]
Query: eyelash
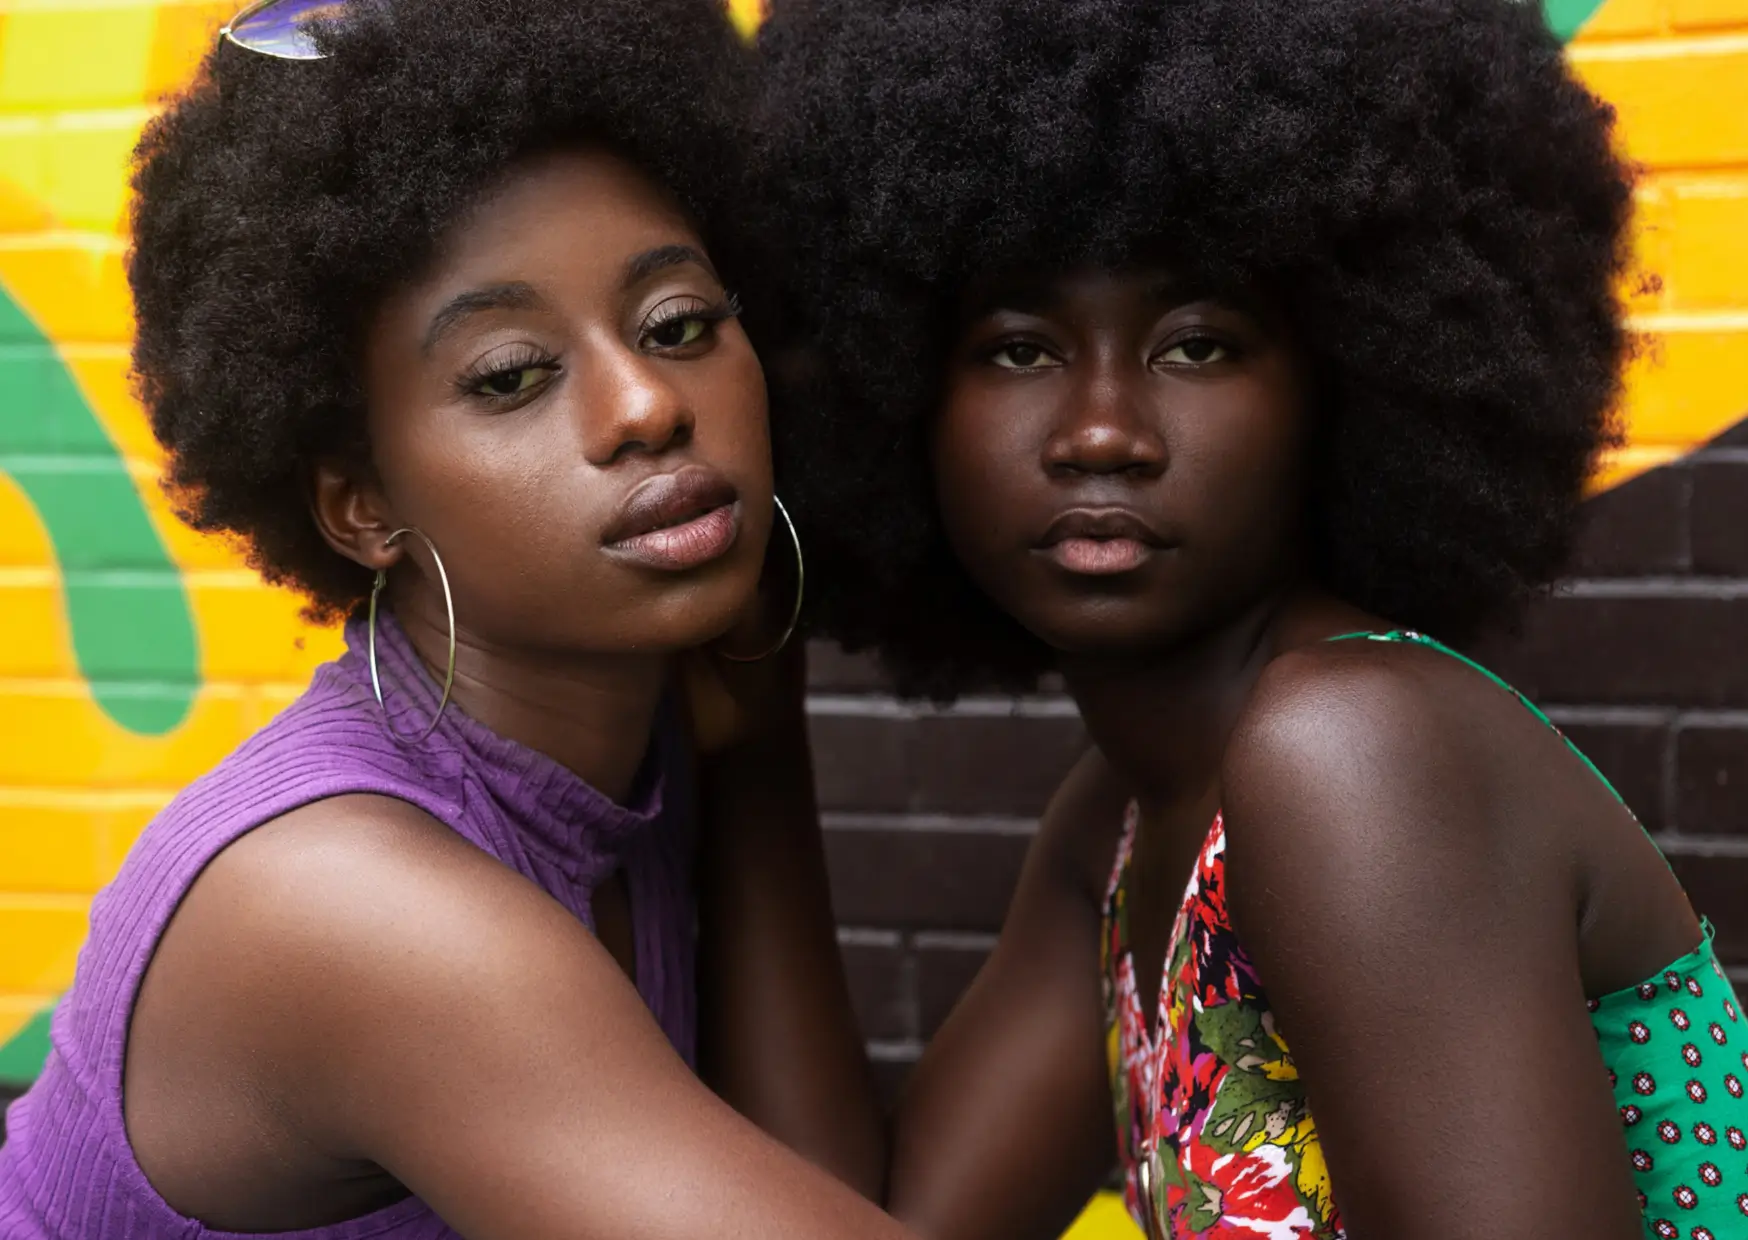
[[1006, 343], [695, 308], [1199, 336], [472, 381], [1191, 336]]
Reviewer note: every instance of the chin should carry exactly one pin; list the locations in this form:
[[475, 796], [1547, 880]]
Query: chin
[[705, 613], [1108, 627]]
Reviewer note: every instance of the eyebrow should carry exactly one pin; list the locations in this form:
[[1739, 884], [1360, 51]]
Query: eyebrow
[[1038, 298], [1182, 290], [514, 295], [642, 266]]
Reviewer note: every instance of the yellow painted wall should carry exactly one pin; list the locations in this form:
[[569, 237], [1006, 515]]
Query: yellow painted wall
[[78, 780], [1677, 71], [77, 82]]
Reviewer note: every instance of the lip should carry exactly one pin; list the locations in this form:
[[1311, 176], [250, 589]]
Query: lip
[[678, 521], [1101, 542]]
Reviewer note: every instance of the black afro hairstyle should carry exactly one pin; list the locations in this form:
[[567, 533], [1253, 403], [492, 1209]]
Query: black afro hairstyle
[[278, 203], [1434, 196]]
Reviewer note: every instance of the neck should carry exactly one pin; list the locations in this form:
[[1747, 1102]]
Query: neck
[[591, 713], [1162, 717]]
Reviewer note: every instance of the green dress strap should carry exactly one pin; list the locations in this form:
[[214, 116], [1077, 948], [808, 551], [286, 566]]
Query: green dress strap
[[1410, 637]]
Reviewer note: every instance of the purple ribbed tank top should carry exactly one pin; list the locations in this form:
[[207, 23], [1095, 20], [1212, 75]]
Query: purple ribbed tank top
[[67, 1170]]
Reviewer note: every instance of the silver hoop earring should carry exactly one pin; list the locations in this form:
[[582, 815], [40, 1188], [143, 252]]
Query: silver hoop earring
[[448, 606], [800, 593]]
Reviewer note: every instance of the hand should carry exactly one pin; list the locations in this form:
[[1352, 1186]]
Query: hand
[[733, 702]]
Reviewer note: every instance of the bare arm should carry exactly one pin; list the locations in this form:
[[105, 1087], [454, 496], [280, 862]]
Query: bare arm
[[778, 1036], [1007, 1126], [1418, 939], [443, 1019]]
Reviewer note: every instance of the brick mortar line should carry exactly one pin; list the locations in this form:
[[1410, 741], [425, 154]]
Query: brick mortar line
[[1656, 588], [851, 821], [953, 940], [864, 936], [1716, 455], [1675, 718], [1579, 715], [1703, 847], [880, 704]]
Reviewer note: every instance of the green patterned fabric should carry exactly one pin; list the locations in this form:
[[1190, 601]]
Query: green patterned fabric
[[1676, 1050]]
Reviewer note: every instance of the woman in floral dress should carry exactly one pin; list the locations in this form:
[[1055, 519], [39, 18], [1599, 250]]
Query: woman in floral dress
[[1226, 357]]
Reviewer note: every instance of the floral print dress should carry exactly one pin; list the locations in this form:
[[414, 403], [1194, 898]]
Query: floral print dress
[[1212, 1125], [1216, 1138]]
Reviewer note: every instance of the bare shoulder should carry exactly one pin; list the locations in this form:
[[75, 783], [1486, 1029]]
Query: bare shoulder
[[1371, 758], [355, 912], [351, 872], [1348, 711]]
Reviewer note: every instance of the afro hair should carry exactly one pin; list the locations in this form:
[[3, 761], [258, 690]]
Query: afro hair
[[278, 202], [1433, 195]]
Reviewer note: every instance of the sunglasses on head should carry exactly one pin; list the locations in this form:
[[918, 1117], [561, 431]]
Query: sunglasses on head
[[278, 27]]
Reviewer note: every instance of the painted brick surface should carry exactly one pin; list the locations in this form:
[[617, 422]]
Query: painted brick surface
[[134, 654]]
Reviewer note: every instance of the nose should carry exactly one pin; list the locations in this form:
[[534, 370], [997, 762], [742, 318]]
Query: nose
[[1106, 428], [631, 408]]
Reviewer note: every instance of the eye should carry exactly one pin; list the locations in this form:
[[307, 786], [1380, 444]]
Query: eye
[[677, 333], [514, 382], [1196, 351], [1022, 355], [683, 321], [507, 377]]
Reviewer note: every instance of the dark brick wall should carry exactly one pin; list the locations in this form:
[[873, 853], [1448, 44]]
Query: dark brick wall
[[1642, 657]]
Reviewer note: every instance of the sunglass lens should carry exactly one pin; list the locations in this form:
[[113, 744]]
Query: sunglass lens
[[278, 28]]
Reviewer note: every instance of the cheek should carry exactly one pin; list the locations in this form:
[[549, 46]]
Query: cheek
[[1245, 461], [984, 463], [726, 393], [505, 497]]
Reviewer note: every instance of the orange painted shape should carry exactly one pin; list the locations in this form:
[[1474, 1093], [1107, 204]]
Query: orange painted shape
[[74, 55], [1647, 282], [1617, 467], [103, 374], [255, 633], [42, 936], [72, 284], [20, 211], [52, 843], [1682, 104], [53, 734], [1707, 253], [1623, 19], [23, 175], [23, 541], [1690, 384], [185, 33], [1708, 14], [89, 157], [38, 645]]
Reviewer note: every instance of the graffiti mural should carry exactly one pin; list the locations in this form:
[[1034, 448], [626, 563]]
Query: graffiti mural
[[134, 654]]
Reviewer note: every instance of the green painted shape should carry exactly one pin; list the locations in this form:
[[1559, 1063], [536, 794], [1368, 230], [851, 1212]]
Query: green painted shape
[[133, 628], [23, 1055], [1567, 17]]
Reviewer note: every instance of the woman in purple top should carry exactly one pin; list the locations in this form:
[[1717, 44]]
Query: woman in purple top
[[427, 321]]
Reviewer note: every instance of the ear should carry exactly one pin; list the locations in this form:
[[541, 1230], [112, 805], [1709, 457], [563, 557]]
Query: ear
[[353, 515]]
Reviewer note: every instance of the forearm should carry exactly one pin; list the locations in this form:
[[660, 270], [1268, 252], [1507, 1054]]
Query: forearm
[[778, 1036]]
